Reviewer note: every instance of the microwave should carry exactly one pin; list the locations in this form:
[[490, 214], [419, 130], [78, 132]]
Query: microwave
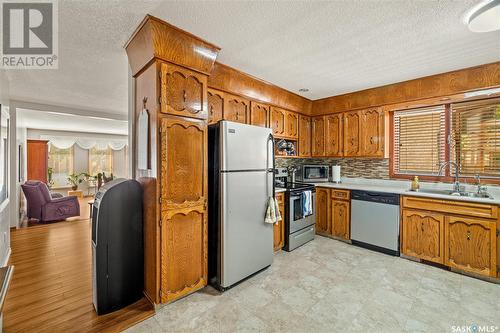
[[313, 173]]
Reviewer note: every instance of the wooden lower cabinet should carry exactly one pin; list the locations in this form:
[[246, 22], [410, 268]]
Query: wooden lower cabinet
[[340, 218], [183, 252], [471, 244], [423, 235], [279, 228], [322, 210]]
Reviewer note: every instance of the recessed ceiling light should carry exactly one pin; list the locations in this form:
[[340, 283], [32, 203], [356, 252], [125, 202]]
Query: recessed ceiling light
[[303, 90], [484, 17]]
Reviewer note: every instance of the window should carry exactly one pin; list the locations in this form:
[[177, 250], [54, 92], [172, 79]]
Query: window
[[466, 133], [100, 160], [61, 165]]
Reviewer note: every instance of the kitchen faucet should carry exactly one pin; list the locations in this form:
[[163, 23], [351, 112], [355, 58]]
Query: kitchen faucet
[[456, 184]]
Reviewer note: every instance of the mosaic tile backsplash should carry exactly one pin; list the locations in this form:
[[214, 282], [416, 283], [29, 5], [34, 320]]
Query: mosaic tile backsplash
[[373, 168]]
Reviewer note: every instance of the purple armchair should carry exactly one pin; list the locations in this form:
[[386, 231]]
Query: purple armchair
[[46, 207]]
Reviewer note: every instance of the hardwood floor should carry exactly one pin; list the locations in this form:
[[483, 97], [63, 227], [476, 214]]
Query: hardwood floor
[[51, 289]]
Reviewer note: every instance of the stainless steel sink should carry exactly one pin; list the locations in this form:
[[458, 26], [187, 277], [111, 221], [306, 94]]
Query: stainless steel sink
[[455, 194]]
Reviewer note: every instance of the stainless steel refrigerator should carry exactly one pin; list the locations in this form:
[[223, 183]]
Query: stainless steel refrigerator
[[241, 180]]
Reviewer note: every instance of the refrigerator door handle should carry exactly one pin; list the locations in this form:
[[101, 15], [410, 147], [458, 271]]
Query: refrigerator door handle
[[270, 138]]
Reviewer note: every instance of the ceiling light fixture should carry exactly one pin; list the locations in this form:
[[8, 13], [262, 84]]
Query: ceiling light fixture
[[484, 17], [303, 90]]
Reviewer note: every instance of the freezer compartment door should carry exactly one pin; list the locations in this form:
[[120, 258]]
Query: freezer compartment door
[[245, 147], [247, 242]]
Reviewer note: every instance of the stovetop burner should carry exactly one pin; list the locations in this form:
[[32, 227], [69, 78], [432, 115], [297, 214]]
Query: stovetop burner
[[297, 186]]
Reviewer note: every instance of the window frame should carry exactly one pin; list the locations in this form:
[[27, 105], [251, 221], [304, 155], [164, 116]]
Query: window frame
[[447, 176]]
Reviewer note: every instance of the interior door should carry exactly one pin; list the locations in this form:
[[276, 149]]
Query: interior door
[[247, 240]]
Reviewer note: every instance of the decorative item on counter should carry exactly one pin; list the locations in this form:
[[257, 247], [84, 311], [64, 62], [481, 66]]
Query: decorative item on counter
[[336, 174], [415, 186]]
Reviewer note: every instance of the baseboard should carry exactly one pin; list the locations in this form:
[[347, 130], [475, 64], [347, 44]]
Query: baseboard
[[7, 257]]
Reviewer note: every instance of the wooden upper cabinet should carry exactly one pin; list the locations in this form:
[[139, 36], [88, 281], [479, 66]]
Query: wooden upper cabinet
[[423, 235], [215, 105], [184, 162], [292, 125], [340, 218], [323, 225], [236, 109], [372, 133], [278, 118], [318, 136], [333, 135], [304, 136], [259, 114], [471, 245], [352, 127], [183, 92]]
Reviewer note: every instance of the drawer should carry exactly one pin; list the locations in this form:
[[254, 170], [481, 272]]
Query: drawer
[[341, 194], [301, 237], [453, 207]]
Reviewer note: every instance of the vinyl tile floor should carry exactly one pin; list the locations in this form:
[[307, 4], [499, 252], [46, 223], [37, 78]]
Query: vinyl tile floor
[[329, 286]]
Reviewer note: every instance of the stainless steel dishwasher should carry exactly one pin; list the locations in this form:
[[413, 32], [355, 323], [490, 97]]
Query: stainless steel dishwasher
[[375, 221]]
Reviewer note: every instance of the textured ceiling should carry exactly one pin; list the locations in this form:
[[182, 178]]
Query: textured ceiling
[[329, 47]]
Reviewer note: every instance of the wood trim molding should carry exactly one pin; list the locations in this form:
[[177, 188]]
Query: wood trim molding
[[231, 80], [434, 86]]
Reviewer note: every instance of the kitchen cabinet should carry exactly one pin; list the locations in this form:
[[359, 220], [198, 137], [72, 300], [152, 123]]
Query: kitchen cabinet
[[471, 244], [279, 228], [340, 214], [215, 105], [278, 118], [259, 114], [183, 92], [423, 235], [372, 133], [318, 136], [333, 135], [304, 136], [236, 109], [183, 206], [352, 133], [322, 210], [292, 125]]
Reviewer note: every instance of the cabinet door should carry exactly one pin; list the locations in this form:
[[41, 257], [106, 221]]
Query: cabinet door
[[423, 235], [183, 204], [352, 144], [304, 136], [372, 133], [184, 259], [279, 228], [37, 160], [259, 114], [278, 121], [215, 106], [340, 218], [323, 225], [292, 125], [236, 109], [318, 136], [471, 245], [183, 92], [333, 134]]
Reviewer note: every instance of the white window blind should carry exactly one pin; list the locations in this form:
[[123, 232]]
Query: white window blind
[[475, 137], [419, 141]]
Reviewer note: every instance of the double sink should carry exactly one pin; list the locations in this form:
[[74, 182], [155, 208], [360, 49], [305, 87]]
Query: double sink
[[458, 194]]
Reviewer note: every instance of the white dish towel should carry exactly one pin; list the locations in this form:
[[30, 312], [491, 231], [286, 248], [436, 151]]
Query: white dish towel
[[273, 214]]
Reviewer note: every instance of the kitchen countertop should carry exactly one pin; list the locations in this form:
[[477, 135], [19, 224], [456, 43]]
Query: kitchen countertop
[[402, 187]]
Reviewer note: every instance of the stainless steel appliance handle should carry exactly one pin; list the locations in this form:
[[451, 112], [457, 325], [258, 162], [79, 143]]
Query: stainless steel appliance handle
[[270, 138]]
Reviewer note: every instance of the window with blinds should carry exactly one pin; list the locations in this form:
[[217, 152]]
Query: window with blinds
[[419, 141], [475, 137]]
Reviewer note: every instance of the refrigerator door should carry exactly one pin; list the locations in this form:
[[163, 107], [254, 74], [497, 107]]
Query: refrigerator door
[[243, 147], [247, 242]]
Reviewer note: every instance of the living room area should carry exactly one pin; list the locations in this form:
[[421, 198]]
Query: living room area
[[64, 159]]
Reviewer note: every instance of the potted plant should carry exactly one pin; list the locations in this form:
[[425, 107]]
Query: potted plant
[[75, 179], [50, 180]]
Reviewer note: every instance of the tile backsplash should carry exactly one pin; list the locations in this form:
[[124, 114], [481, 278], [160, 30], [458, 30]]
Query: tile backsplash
[[350, 167]]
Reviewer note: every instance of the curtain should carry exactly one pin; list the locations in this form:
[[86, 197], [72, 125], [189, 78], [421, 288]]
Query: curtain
[[65, 142]]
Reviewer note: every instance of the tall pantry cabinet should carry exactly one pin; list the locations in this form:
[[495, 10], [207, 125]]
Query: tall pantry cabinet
[[170, 69]]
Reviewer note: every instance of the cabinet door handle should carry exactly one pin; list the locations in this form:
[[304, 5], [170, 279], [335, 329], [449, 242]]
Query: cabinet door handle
[[422, 227], [468, 234], [211, 110], [372, 140], [184, 95]]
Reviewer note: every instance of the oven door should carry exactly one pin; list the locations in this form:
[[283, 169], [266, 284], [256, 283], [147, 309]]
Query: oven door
[[297, 220]]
